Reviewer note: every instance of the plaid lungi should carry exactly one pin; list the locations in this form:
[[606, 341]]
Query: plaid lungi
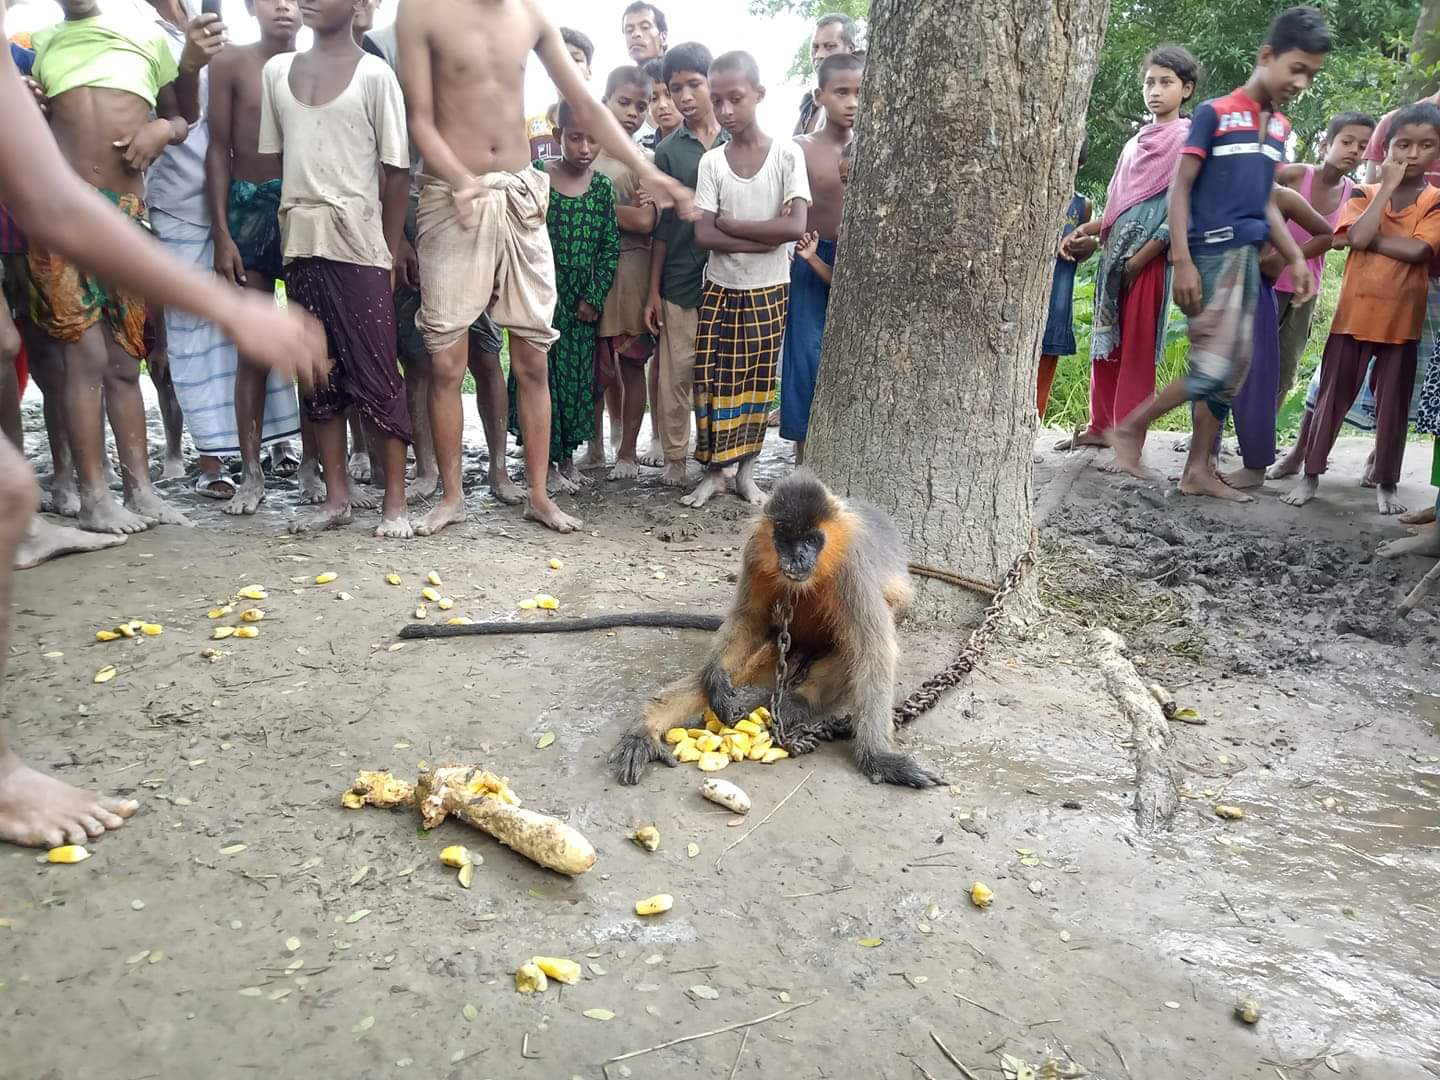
[[737, 354]]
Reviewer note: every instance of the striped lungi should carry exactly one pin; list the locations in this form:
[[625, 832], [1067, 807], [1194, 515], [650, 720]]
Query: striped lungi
[[737, 356]]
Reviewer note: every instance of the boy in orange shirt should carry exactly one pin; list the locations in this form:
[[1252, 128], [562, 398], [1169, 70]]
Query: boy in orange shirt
[[1393, 230]]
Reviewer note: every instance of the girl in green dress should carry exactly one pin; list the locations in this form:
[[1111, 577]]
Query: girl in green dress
[[586, 240]]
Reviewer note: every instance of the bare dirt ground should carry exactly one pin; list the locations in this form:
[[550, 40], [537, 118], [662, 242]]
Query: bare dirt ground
[[165, 955]]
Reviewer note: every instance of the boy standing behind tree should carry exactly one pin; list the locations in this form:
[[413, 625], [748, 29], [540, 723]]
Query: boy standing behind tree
[[1221, 211], [753, 194], [839, 96], [341, 234]]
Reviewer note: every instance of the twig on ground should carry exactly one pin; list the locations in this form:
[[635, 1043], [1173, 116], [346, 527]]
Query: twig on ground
[[921, 1069], [986, 1008], [1231, 906], [709, 1034], [817, 892], [744, 1038], [1111, 1043], [702, 967], [767, 817], [1418, 593], [953, 1059]]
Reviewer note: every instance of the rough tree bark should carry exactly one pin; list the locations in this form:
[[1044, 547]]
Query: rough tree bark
[[969, 128]]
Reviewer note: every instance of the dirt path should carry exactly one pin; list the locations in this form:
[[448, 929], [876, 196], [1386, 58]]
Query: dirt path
[[1123, 952]]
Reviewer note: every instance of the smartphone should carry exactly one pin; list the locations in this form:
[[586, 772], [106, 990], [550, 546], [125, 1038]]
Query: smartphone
[[210, 7]]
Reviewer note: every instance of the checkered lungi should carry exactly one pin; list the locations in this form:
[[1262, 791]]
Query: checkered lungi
[[737, 356]]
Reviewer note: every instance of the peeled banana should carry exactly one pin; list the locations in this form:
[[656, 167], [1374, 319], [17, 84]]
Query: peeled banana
[[430, 594], [558, 968], [433, 578], [326, 578], [654, 905]]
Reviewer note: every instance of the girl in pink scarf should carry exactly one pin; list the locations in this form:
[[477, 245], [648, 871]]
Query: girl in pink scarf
[[1132, 286]]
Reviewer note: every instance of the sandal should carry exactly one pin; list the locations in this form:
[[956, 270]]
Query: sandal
[[207, 483]]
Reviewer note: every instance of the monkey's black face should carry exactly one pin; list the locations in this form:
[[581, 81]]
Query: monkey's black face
[[798, 555]]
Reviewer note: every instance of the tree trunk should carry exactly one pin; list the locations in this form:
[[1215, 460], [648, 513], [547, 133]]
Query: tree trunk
[[971, 116], [1424, 73]]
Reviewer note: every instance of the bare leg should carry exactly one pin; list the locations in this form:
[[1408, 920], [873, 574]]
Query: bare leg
[[127, 418], [711, 484], [799, 453], [492, 401], [1081, 438], [417, 398], [654, 457], [745, 486], [1127, 438], [1292, 462], [1199, 477], [1387, 500], [86, 364], [394, 519], [595, 452], [632, 415], [11, 426], [47, 368], [1367, 476], [250, 422], [529, 365], [171, 416], [447, 424], [359, 464], [335, 511], [312, 484], [37, 810]]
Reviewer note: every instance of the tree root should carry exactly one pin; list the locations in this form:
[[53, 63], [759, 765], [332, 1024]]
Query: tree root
[[1156, 794]]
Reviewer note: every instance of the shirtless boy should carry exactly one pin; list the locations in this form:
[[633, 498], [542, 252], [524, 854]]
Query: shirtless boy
[[342, 213], [839, 97], [481, 239], [244, 191], [109, 137], [56, 209]]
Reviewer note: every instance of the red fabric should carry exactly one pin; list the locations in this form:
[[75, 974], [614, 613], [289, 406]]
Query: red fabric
[[1121, 383], [1044, 380], [1342, 374], [1146, 167]]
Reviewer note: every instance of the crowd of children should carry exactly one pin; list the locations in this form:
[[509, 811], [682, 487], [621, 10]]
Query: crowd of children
[[418, 215], [1203, 208]]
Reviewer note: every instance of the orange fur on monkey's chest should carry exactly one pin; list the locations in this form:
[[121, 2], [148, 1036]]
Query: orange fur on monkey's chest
[[811, 624]]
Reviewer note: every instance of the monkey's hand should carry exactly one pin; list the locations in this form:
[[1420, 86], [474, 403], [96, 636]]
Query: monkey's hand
[[720, 694], [634, 752]]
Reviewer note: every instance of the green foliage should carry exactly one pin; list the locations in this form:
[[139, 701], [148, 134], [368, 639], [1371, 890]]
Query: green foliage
[[810, 9]]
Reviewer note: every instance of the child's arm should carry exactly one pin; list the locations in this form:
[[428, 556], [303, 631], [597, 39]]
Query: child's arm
[[1300, 275], [168, 128], [1366, 228], [809, 250], [640, 218], [709, 236], [1289, 176], [218, 171], [1149, 251], [787, 228], [602, 273], [653, 309], [1294, 207], [204, 38], [1406, 249], [1189, 294], [394, 200]]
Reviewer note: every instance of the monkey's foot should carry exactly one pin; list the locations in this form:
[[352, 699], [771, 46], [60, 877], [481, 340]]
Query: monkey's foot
[[892, 767], [634, 753]]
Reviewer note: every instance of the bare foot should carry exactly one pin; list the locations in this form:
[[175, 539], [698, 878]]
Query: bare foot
[[1207, 483], [327, 517], [550, 515], [112, 478], [283, 462], [40, 811], [448, 512], [1367, 478], [45, 541], [312, 484], [674, 474], [653, 457], [570, 471], [557, 483], [395, 528], [712, 484], [1387, 501], [248, 497], [594, 457], [1419, 517], [505, 489], [773, 419], [1303, 491], [1127, 446], [1425, 543], [65, 497], [173, 468], [424, 486], [359, 467], [1181, 446], [1082, 438], [363, 500], [746, 489], [108, 516], [1289, 465], [624, 470], [1244, 479], [155, 509]]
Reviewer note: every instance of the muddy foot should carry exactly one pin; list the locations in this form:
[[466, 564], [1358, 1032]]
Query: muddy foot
[[108, 516], [1127, 446], [449, 512], [424, 486], [570, 471], [112, 478], [551, 516], [1387, 501], [65, 497], [1209, 484], [173, 468], [1286, 466], [594, 457], [557, 483], [711, 485], [1082, 438], [624, 470], [46, 540], [1303, 491], [653, 457], [505, 489], [1418, 517], [40, 811], [248, 497], [674, 474], [359, 467], [363, 499], [746, 489], [1424, 543], [327, 517], [153, 508], [312, 484], [395, 528], [1245, 479]]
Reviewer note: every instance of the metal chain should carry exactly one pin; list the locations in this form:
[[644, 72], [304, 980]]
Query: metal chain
[[783, 612], [924, 699]]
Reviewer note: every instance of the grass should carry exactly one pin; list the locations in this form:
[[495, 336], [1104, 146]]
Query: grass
[[1069, 405]]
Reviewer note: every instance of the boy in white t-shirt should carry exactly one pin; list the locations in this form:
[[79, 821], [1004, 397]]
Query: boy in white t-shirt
[[754, 193], [336, 116]]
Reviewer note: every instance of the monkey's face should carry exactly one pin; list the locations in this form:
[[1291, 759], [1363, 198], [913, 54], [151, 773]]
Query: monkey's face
[[797, 554]]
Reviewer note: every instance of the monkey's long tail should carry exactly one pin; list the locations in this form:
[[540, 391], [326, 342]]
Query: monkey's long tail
[[669, 620]]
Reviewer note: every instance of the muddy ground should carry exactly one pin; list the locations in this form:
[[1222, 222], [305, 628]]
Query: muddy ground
[[1119, 952]]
